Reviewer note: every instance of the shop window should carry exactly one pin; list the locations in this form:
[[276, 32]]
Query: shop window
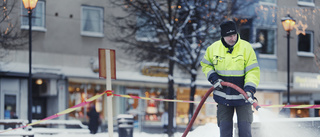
[[10, 108], [132, 104], [299, 113], [266, 37], [245, 34], [38, 17], [92, 21], [10, 105], [207, 113], [78, 93], [155, 109], [305, 44]]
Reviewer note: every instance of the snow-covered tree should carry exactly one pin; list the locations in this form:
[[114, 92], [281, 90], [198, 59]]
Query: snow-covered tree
[[173, 31]]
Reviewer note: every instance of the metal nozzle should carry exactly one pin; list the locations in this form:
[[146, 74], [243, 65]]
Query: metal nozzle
[[254, 103], [256, 106]]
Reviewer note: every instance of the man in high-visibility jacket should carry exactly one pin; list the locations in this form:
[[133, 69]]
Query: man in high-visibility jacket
[[233, 60]]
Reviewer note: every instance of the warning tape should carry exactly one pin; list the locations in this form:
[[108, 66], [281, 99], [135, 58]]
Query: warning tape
[[160, 99], [292, 106], [186, 101], [110, 93], [87, 101]]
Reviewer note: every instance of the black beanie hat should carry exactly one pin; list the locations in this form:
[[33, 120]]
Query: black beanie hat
[[228, 28]]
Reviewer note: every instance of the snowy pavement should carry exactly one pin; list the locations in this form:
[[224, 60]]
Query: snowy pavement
[[136, 134], [208, 130], [266, 124]]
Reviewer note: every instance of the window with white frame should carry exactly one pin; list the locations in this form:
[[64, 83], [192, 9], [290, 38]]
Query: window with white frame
[[266, 37], [38, 17], [306, 3], [92, 21], [309, 1], [305, 44]]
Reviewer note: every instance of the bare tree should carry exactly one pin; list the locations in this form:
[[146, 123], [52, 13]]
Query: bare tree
[[172, 31], [10, 35]]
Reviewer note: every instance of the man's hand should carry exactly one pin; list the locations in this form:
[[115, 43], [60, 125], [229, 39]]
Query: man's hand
[[249, 94], [217, 84]]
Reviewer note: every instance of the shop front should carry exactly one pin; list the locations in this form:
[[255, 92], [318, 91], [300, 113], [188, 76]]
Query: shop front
[[48, 96], [306, 91], [12, 98], [207, 113], [154, 109], [78, 93], [145, 111]]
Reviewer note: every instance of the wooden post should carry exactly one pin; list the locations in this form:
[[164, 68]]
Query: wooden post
[[109, 98], [107, 70]]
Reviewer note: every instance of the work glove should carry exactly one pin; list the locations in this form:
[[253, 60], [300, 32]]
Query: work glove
[[249, 94], [217, 84]]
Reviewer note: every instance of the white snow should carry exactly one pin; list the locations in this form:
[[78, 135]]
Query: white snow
[[265, 121], [125, 116], [256, 45], [194, 71], [208, 130]]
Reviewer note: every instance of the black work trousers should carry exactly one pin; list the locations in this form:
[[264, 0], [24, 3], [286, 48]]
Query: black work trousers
[[225, 120]]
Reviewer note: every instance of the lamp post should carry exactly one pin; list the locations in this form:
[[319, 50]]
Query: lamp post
[[288, 23], [29, 5]]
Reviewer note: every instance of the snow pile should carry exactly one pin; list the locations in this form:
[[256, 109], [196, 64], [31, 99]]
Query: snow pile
[[265, 124], [273, 125], [207, 130]]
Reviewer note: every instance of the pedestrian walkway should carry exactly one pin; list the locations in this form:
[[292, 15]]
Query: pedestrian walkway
[[156, 129]]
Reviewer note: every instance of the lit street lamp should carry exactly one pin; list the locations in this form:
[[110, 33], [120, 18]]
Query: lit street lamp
[[29, 5], [288, 23]]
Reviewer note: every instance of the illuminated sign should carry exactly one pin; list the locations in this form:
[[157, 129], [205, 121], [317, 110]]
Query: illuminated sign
[[306, 81], [155, 71]]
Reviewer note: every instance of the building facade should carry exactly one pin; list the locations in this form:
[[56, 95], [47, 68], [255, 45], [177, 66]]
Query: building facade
[[304, 55], [65, 63]]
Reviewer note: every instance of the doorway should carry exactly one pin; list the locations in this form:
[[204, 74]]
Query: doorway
[[39, 107]]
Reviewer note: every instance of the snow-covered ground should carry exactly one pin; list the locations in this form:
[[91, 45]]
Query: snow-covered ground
[[266, 124], [208, 130]]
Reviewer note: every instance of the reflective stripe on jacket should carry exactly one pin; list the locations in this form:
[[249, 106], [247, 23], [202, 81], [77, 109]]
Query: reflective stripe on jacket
[[239, 67]]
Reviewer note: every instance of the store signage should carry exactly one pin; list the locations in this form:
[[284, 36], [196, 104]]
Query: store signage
[[107, 56], [155, 71], [306, 81]]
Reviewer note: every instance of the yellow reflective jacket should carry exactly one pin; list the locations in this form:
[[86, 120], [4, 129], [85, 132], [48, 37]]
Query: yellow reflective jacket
[[239, 67]]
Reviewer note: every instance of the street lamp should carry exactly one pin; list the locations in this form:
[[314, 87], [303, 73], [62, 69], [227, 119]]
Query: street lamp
[[288, 23], [29, 5]]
